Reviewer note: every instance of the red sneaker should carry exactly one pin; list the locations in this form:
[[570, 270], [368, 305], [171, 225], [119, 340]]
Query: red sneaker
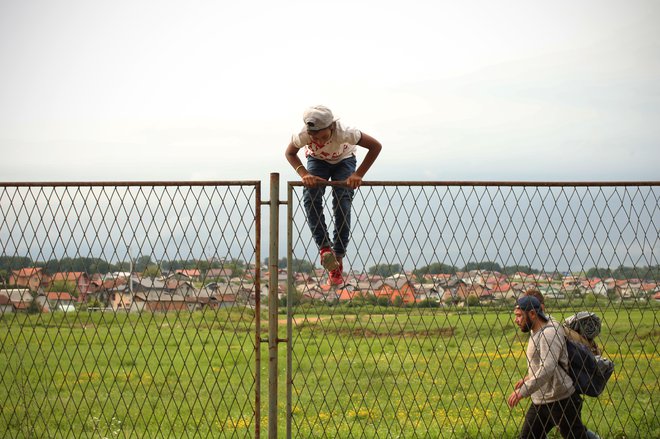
[[335, 277], [328, 259]]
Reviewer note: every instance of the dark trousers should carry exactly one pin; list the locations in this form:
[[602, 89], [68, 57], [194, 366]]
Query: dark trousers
[[564, 414]]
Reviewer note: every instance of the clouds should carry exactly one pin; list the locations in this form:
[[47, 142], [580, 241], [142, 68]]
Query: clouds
[[205, 89]]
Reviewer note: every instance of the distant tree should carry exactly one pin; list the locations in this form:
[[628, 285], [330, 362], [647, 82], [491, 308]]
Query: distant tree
[[513, 269], [152, 271], [398, 301], [599, 272], [383, 301], [142, 263], [473, 300], [385, 270], [9, 263], [297, 265], [237, 267], [612, 295], [33, 306], [434, 268], [81, 264], [486, 265], [295, 297], [428, 303], [623, 272], [124, 267], [238, 263], [215, 264], [173, 265], [202, 265], [648, 273], [651, 273], [101, 266], [52, 266], [301, 266], [62, 286]]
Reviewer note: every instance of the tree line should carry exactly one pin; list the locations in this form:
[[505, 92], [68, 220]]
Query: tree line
[[387, 270], [651, 273], [97, 265]]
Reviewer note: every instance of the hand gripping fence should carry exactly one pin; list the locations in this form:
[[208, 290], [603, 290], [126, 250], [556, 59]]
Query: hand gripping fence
[[141, 309]]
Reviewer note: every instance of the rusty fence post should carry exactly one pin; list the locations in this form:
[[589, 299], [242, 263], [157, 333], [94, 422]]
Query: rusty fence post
[[273, 238]]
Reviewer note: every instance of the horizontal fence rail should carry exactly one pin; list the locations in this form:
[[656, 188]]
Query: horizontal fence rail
[[130, 309], [419, 338]]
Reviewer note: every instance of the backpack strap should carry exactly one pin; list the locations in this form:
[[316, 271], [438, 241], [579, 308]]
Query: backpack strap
[[564, 367]]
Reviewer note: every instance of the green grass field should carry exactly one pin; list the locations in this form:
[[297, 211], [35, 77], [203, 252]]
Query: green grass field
[[356, 373]]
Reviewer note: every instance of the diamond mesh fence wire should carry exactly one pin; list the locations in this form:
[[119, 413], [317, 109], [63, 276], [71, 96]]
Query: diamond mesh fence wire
[[419, 340], [130, 310]]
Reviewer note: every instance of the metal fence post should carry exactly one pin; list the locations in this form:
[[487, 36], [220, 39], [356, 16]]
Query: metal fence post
[[289, 307], [272, 304], [257, 315]]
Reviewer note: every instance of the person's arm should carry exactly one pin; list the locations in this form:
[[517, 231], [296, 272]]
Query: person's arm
[[308, 179], [373, 146]]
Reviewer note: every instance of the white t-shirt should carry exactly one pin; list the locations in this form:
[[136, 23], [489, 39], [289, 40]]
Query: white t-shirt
[[341, 145]]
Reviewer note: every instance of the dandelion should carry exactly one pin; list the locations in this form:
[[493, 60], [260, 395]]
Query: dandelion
[[363, 413]]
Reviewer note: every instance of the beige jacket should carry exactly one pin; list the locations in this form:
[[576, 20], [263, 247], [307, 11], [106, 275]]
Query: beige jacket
[[547, 359]]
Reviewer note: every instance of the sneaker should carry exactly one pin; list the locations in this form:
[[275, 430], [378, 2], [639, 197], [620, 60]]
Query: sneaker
[[335, 276], [328, 259]]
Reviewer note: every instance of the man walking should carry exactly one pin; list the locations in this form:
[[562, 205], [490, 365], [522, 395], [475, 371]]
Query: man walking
[[554, 399]]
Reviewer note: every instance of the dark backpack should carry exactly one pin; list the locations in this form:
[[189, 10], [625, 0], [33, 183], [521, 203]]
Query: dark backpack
[[588, 371]]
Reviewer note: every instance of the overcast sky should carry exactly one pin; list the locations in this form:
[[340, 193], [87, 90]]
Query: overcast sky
[[212, 90]]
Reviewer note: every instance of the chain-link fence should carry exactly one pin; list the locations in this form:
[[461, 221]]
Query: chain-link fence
[[129, 310], [419, 340], [134, 309]]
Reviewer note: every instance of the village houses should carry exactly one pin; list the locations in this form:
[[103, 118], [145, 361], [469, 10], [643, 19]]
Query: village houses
[[190, 290]]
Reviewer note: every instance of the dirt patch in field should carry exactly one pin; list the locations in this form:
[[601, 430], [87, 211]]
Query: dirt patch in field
[[444, 332], [438, 332], [308, 320], [303, 320]]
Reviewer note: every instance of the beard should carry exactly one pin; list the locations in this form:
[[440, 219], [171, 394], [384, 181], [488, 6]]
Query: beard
[[527, 326]]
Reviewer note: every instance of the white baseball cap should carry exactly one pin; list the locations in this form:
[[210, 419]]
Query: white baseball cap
[[318, 117]]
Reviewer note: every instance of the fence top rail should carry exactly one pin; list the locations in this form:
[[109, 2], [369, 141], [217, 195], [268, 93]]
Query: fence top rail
[[130, 183], [329, 183], [494, 183]]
